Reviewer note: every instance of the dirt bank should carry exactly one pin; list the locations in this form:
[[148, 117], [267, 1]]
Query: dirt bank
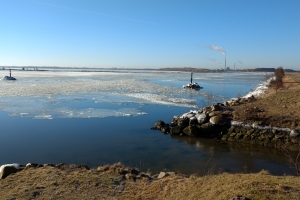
[[278, 109]]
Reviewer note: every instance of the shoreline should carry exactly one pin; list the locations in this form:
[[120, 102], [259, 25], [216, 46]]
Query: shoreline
[[236, 121]]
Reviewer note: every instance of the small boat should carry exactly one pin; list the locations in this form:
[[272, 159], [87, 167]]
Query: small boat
[[192, 85]]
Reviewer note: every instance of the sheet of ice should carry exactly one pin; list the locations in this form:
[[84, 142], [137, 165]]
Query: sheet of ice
[[48, 107], [53, 94], [37, 94]]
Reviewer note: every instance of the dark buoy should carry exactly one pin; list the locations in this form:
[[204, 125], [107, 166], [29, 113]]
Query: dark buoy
[[192, 85], [9, 78]]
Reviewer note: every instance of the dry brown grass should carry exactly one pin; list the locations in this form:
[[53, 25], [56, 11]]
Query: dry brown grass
[[279, 109], [54, 183]]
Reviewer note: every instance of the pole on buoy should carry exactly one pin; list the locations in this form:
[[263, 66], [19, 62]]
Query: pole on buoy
[[191, 78]]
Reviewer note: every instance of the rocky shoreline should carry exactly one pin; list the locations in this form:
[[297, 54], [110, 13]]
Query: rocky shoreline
[[217, 121]]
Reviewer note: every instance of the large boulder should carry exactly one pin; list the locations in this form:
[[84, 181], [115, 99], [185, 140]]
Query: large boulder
[[188, 115], [176, 130], [193, 121], [183, 122], [165, 129], [214, 113], [202, 118], [207, 129], [174, 121], [191, 131], [159, 124], [219, 120], [216, 107]]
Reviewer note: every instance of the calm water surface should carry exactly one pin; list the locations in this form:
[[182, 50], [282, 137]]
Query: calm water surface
[[113, 125]]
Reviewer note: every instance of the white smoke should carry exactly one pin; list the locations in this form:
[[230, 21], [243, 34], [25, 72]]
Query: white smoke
[[217, 48]]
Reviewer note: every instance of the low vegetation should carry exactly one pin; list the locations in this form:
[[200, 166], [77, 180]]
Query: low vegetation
[[109, 182]]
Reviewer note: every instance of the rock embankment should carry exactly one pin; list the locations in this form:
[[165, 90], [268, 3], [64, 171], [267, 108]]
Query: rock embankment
[[217, 122]]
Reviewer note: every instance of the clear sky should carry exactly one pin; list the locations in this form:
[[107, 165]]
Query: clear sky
[[150, 33]]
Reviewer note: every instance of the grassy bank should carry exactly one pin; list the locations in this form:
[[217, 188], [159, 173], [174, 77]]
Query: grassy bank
[[119, 182]]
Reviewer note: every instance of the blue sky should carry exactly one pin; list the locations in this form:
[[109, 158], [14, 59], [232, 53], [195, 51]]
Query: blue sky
[[150, 33]]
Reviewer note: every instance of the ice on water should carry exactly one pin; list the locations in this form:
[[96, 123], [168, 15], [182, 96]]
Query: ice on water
[[52, 94]]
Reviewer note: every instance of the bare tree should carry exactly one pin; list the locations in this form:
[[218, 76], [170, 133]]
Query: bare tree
[[279, 74]]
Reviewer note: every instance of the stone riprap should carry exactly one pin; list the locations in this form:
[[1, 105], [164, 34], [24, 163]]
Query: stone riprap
[[216, 122]]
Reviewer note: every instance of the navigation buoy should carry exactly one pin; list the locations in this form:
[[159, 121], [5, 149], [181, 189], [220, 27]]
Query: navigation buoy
[[9, 78]]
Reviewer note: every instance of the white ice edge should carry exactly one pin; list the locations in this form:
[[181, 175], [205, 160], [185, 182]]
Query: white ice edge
[[256, 126], [260, 89]]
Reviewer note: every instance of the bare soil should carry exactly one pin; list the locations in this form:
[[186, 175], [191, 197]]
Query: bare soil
[[279, 109]]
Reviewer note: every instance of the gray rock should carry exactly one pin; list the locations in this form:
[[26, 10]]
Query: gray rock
[[191, 131], [176, 130], [183, 122], [294, 133], [214, 113], [7, 170], [216, 107], [162, 175], [206, 109], [165, 129], [159, 124], [218, 120], [193, 121], [206, 129], [32, 165], [201, 118], [188, 115]]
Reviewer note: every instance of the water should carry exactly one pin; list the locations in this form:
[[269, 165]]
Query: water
[[97, 118]]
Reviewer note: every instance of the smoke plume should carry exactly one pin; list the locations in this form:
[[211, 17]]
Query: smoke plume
[[217, 48]]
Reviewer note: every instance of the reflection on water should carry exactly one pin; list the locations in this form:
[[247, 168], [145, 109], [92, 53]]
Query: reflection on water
[[239, 157]]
